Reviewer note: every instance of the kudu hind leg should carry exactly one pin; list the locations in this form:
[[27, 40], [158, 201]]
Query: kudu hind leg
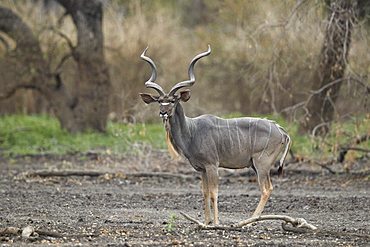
[[264, 181], [212, 175]]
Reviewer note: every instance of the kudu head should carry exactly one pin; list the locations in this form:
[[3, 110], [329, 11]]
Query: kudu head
[[168, 102]]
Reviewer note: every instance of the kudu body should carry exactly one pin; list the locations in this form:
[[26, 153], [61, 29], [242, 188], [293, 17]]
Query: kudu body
[[210, 142]]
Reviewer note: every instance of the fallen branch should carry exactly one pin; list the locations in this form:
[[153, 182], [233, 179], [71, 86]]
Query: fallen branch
[[32, 234], [298, 225], [64, 173], [323, 232], [357, 140], [10, 230], [67, 173], [296, 159], [28, 232], [296, 222], [202, 226]]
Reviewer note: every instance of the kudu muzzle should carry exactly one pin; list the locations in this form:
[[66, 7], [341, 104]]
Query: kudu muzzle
[[164, 111]]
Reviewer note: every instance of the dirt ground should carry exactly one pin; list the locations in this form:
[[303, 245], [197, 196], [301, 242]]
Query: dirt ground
[[137, 202]]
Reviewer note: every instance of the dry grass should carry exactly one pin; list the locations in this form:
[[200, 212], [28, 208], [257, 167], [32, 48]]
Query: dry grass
[[262, 54]]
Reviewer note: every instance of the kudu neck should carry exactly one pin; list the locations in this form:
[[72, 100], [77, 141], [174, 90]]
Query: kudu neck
[[180, 126]]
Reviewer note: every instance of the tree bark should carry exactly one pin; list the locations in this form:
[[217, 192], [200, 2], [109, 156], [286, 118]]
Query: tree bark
[[333, 62], [25, 67], [94, 83]]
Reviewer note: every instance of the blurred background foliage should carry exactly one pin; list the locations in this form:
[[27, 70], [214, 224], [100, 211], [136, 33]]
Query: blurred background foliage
[[263, 56], [263, 53]]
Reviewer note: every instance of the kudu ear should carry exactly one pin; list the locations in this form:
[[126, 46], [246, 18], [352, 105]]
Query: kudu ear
[[147, 98], [185, 95]]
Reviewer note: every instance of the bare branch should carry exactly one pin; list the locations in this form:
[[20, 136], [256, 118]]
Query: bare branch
[[67, 173], [202, 226], [356, 149], [59, 66], [37, 234], [6, 44], [299, 225], [362, 83], [272, 81], [8, 93], [324, 232], [284, 23], [296, 222], [343, 150], [69, 42], [66, 13], [304, 104]]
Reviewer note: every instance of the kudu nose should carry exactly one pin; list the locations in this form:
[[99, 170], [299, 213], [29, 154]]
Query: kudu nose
[[163, 114]]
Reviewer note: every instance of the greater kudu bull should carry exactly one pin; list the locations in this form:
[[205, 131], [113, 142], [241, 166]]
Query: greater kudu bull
[[209, 142]]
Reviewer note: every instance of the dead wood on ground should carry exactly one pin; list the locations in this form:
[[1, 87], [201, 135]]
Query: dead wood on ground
[[296, 222], [67, 173], [288, 228], [32, 234], [296, 225]]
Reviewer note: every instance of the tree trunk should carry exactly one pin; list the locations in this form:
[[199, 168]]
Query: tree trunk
[[25, 67], [94, 84], [333, 61]]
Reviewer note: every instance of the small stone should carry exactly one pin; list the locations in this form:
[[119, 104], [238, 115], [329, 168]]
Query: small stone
[[175, 242], [27, 231]]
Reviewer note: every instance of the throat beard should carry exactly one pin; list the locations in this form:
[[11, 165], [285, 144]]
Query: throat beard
[[174, 152], [166, 124]]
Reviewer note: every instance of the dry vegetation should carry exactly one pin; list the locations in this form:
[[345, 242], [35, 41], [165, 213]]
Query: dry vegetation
[[262, 57]]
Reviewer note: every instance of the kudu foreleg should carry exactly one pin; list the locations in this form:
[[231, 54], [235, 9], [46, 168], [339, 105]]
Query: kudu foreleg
[[210, 193], [207, 199]]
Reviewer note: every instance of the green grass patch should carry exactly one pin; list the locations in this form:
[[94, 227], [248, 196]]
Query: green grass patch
[[41, 134], [22, 134], [342, 134]]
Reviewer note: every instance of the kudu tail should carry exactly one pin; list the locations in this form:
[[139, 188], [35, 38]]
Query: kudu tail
[[288, 142]]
